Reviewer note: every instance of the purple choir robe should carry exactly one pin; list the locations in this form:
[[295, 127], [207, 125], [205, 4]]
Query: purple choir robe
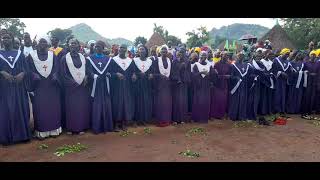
[[143, 91], [310, 87], [238, 91], [220, 92], [99, 84], [163, 93], [265, 106], [181, 76], [279, 99], [14, 102], [258, 78], [46, 100], [77, 98], [295, 87], [122, 92], [201, 94]]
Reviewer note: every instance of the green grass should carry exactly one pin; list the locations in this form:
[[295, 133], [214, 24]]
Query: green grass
[[247, 123], [195, 131], [190, 154]]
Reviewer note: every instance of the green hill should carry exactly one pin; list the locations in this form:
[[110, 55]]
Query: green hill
[[235, 31], [85, 33]]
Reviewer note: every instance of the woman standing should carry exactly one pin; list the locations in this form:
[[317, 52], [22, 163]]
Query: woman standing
[[99, 83], [46, 88], [143, 87], [163, 92], [77, 96], [14, 104]]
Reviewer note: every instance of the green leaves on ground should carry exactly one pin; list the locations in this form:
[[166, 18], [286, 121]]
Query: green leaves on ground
[[43, 146], [190, 154], [195, 131], [65, 149], [147, 131], [247, 123]]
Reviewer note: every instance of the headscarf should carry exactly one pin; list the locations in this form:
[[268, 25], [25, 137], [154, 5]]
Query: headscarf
[[318, 52], [47, 38], [197, 49], [313, 52], [91, 42], [284, 51]]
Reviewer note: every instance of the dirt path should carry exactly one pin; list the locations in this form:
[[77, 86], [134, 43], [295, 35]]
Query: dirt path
[[296, 141]]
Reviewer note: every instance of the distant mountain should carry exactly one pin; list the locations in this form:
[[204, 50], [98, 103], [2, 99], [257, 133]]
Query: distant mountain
[[235, 31], [85, 33]]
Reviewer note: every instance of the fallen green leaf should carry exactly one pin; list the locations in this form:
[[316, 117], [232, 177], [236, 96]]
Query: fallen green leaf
[[61, 151], [189, 153], [43, 146]]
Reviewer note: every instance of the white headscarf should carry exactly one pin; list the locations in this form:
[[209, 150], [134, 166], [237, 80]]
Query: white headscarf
[[91, 42], [47, 38]]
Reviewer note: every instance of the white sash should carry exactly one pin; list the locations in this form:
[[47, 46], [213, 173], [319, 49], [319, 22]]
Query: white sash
[[143, 66], [256, 66], [123, 63], [192, 65], [78, 74], [163, 71], [267, 64], [43, 67], [14, 62], [234, 89], [202, 68], [299, 76], [284, 69], [305, 83], [95, 67]]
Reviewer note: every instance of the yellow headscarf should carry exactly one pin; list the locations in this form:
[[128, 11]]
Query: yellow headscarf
[[197, 49], [313, 52], [284, 51], [318, 52], [158, 49], [216, 59]]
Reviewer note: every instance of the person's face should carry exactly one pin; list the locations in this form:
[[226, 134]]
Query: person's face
[[98, 49], [16, 44], [313, 57], [240, 57], [6, 40], [182, 50], [285, 56], [225, 56], [194, 57], [218, 54], [163, 51], [92, 46], [169, 44], [55, 41], [271, 56], [142, 52], [210, 55], [298, 57], [203, 57], [27, 39], [311, 45], [122, 50], [74, 45], [43, 44]]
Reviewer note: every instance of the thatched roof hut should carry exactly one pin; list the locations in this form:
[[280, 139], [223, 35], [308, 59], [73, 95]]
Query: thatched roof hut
[[155, 40], [279, 38]]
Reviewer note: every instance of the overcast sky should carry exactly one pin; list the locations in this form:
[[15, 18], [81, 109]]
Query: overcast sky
[[130, 28]]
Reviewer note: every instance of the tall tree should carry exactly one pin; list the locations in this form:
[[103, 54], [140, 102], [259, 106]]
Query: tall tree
[[14, 25], [139, 40], [198, 38], [302, 30], [175, 40], [62, 34], [159, 29]]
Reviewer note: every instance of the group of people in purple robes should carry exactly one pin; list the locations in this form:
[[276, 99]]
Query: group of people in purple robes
[[76, 92]]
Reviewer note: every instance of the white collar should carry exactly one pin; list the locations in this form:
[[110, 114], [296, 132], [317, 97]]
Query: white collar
[[43, 67], [15, 60], [78, 74], [163, 71], [143, 66], [203, 68], [123, 63], [95, 67], [267, 64], [242, 74]]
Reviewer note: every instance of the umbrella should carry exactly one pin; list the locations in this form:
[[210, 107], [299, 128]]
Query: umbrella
[[247, 36]]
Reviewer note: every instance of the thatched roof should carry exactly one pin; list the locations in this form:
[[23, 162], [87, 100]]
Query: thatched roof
[[279, 38], [155, 40]]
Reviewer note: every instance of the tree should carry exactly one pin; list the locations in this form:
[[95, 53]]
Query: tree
[[61, 34], [175, 40], [159, 29], [140, 40], [302, 30], [198, 38], [14, 25]]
